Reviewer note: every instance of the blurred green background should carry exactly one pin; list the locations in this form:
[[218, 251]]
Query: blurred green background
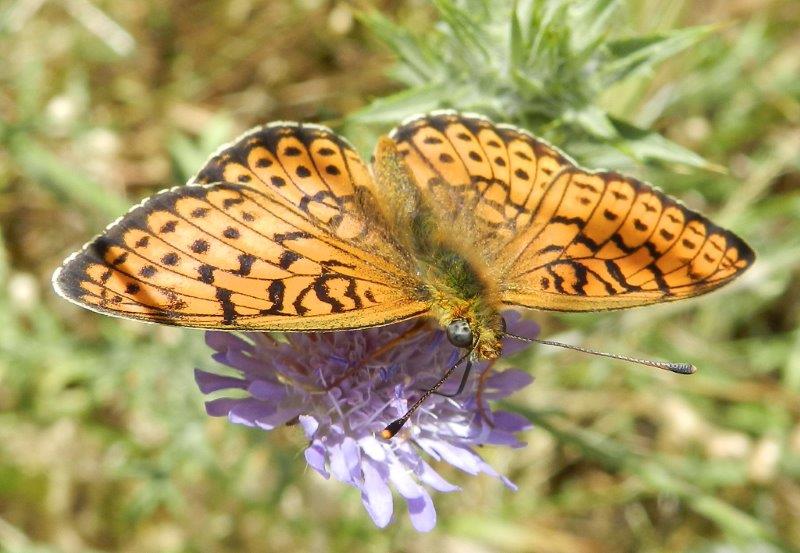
[[104, 443]]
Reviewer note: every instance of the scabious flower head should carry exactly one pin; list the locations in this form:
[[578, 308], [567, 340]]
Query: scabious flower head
[[344, 387]]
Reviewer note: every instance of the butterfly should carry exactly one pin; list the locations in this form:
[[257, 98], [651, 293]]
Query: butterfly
[[287, 229]]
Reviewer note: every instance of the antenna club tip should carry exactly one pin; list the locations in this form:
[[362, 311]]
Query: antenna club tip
[[392, 429], [684, 368]]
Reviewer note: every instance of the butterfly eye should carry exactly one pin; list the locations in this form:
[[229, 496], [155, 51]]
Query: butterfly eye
[[459, 333]]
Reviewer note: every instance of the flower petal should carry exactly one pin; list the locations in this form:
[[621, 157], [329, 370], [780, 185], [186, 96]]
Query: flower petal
[[220, 407], [344, 461], [376, 495], [223, 341], [520, 326], [403, 482], [433, 479], [373, 448], [247, 411], [460, 457], [267, 391], [309, 424], [211, 382], [508, 381], [245, 363], [281, 416], [510, 422], [422, 512], [315, 457]]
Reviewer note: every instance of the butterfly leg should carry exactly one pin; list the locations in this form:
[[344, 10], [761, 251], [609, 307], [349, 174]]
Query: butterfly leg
[[479, 393], [461, 385]]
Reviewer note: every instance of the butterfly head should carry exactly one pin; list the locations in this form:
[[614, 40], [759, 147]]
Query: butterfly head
[[460, 334], [477, 334]]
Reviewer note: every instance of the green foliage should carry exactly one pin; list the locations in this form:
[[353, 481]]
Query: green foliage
[[546, 65], [104, 445]]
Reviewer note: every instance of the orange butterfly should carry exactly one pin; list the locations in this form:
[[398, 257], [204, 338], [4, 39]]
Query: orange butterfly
[[288, 230]]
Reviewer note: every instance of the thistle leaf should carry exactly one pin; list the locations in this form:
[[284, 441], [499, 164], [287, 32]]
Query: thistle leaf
[[635, 55], [555, 60]]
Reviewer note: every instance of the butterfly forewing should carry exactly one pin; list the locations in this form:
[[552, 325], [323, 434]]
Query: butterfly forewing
[[605, 241], [283, 247]]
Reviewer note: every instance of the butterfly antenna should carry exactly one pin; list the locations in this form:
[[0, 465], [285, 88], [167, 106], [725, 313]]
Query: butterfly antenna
[[394, 427], [680, 368]]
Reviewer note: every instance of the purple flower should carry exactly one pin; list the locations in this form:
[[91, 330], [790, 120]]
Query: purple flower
[[344, 387]]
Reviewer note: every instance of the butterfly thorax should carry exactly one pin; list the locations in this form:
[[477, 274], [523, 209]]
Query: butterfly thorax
[[453, 275], [458, 292]]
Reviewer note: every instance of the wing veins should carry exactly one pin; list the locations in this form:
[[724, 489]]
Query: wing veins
[[521, 251], [283, 167], [334, 241], [580, 230], [307, 146], [267, 238], [534, 174], [685, 264]]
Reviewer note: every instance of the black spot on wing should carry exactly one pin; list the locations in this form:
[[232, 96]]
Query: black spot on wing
[[246, 261], [132, 288], [168, 227], [281, 237], [206, 273], [228, 309], [200, 246], [231, 233], [275, 293], [287, 258], [578, 221], [227, 203]]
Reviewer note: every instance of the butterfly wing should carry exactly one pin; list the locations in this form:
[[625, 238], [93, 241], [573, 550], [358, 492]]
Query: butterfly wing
[[600, 240], [556, 236], [492, 175], [287, 245]]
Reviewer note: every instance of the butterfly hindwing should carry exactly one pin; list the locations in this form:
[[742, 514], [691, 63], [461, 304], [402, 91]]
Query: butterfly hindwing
[[285, 246], [495, 173]]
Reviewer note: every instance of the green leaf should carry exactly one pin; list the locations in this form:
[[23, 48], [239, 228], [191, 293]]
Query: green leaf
[[595, 16], [391, 109], [554, 61], [645, 146], [517, 45], [464, 29], [593, 120], [402, 42], [635, 55]]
